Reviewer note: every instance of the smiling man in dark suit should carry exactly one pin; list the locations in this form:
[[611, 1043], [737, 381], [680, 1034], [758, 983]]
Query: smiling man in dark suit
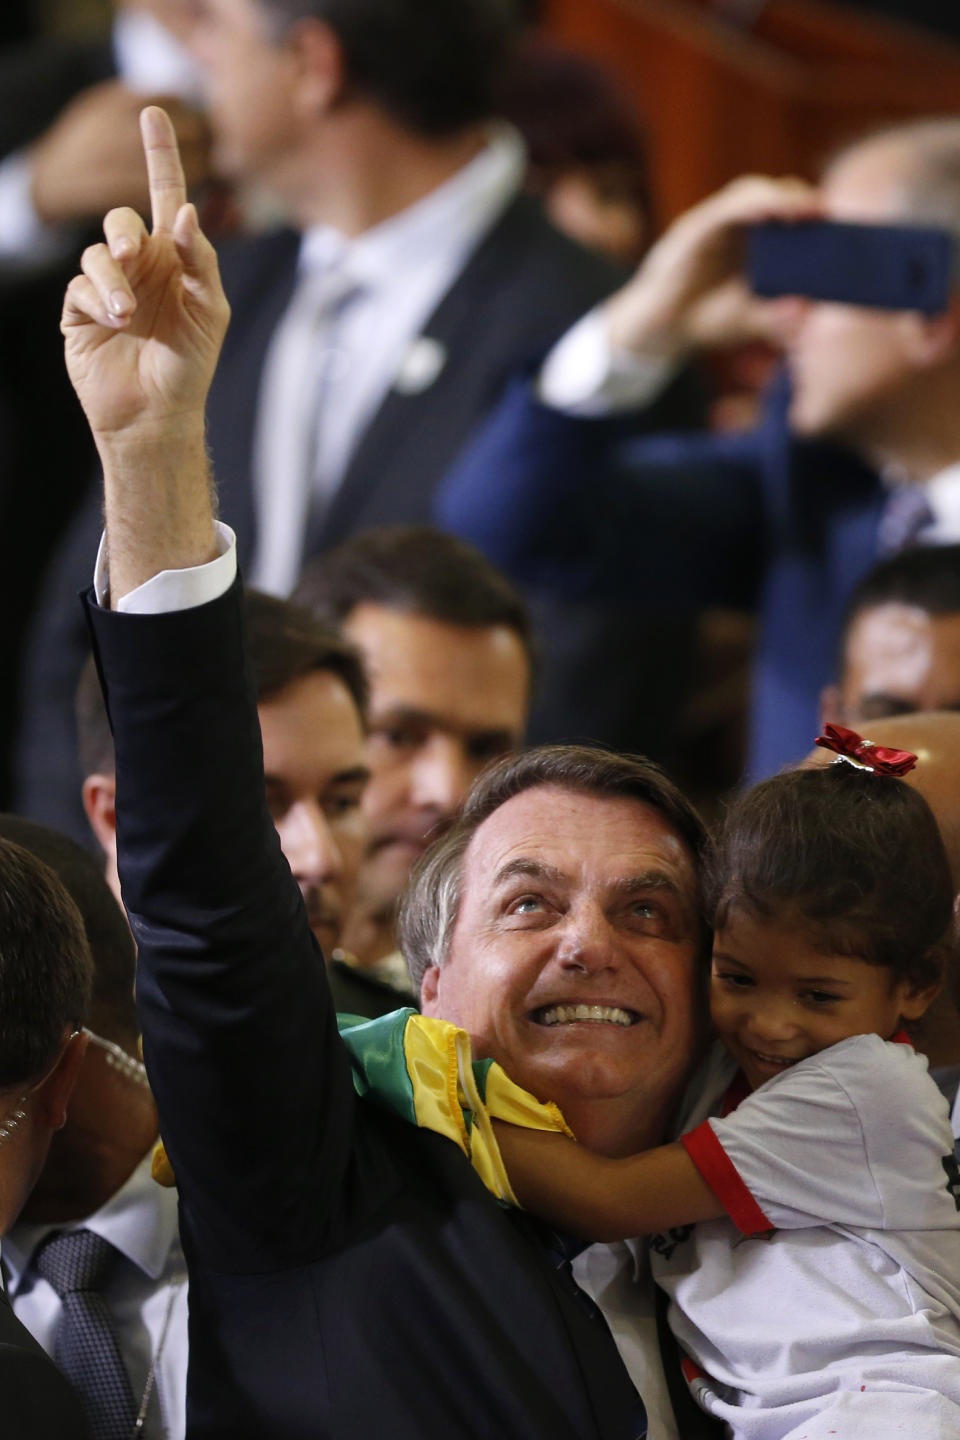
[[348, 1272]]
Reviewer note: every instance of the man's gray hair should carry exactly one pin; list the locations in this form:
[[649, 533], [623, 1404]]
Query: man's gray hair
[[928, 183], [431, 904]]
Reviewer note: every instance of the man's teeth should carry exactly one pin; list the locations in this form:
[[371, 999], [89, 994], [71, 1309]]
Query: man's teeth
[[773, 1059], [592, 1014]]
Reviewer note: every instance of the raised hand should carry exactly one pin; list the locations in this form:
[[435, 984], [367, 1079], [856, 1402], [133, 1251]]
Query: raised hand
[[144, 322], [676, 301]]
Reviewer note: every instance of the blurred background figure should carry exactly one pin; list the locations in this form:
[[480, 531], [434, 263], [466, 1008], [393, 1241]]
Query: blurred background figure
[[69, 150], [95, 1210], [371, 337], [585, 146], [45, 982], [899, 649], [449, 651], [367, 344]]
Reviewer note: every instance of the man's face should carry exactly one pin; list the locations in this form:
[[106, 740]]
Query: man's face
[[249, 88], [850, 365], [445, 700], [313, 760], [900, 659], [573, 960]]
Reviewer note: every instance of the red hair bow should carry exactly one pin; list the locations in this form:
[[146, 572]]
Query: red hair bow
[[864, 754]]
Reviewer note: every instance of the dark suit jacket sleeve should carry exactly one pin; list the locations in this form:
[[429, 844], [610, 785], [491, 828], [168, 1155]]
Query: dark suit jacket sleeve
[[252, 1083], [664, 522]]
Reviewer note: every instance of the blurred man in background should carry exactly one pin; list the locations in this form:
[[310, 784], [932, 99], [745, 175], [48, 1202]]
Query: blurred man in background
[[447, 645]]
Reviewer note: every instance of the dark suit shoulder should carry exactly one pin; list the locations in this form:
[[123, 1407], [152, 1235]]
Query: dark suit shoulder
[[540, 278], [253, 264], [36, 1402]]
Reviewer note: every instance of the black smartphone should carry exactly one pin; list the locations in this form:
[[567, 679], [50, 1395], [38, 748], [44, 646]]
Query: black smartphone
[[888, 267]]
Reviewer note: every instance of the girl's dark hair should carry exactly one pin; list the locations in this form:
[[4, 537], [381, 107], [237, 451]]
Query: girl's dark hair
[[855, 856]]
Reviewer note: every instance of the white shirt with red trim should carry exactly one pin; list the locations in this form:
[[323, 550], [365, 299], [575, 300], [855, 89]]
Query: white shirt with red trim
[[826, 1304]]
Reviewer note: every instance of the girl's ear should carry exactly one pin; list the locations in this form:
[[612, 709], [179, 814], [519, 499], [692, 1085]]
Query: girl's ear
[[915, 1001]]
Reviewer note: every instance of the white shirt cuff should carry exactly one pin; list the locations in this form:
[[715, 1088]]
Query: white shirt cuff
[[24, 238], [174, 589], [584, 375]]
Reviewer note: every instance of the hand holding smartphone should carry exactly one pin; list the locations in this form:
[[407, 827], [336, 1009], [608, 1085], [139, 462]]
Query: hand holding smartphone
[[886, 267]]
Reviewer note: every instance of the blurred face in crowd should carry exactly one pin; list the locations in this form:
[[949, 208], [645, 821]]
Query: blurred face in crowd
[[855, 370], [574, 956], [315, 770], [445, 700], [897, 659], [251, 83]]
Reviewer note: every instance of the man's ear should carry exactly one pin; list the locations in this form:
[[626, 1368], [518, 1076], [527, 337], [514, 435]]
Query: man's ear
[[320, 70], [428, 990], [100, 803], [831, 706], [54, 1094], [932, 339]]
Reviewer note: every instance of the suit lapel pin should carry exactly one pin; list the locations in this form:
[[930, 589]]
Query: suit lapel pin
[[421, 366]]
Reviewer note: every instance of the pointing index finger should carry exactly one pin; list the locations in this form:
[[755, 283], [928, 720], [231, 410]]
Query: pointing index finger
[[168, 188]]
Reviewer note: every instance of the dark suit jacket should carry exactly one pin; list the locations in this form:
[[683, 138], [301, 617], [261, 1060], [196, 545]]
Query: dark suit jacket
[[520, 290], [666, 524], [36, 1402], [350, 1276]]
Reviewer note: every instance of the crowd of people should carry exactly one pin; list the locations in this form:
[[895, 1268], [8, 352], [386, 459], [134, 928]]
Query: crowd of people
[[387, 1045]]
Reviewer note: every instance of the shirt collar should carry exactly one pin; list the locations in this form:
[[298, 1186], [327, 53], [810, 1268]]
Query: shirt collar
[[446, 224], [943, 497], [140, 1221]]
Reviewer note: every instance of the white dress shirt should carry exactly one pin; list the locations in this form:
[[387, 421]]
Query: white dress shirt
[[584, 374], [332, 362], [147, 1298], [943, 497]]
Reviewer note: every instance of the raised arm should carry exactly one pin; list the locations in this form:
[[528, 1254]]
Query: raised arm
[[252, 1084], [143, 327], [600, 1198]]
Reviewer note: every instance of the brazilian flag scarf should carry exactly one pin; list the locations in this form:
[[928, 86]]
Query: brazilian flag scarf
[[423, 1070]]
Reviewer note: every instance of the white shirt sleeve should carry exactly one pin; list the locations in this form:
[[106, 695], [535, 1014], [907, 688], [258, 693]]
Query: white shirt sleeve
[[24, 239], [853, 1136], [175, 589], [584, 375]]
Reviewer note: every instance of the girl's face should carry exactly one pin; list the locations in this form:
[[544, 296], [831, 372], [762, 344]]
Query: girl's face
[[775, 998]]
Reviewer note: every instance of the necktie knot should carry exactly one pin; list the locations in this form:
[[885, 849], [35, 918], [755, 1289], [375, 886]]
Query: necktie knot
[[75, 1260]]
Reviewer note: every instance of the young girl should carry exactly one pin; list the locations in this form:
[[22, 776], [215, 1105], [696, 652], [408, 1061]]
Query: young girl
[[808, 1231]]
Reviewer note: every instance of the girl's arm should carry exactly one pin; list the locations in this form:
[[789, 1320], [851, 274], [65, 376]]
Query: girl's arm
[[599, 1198]]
